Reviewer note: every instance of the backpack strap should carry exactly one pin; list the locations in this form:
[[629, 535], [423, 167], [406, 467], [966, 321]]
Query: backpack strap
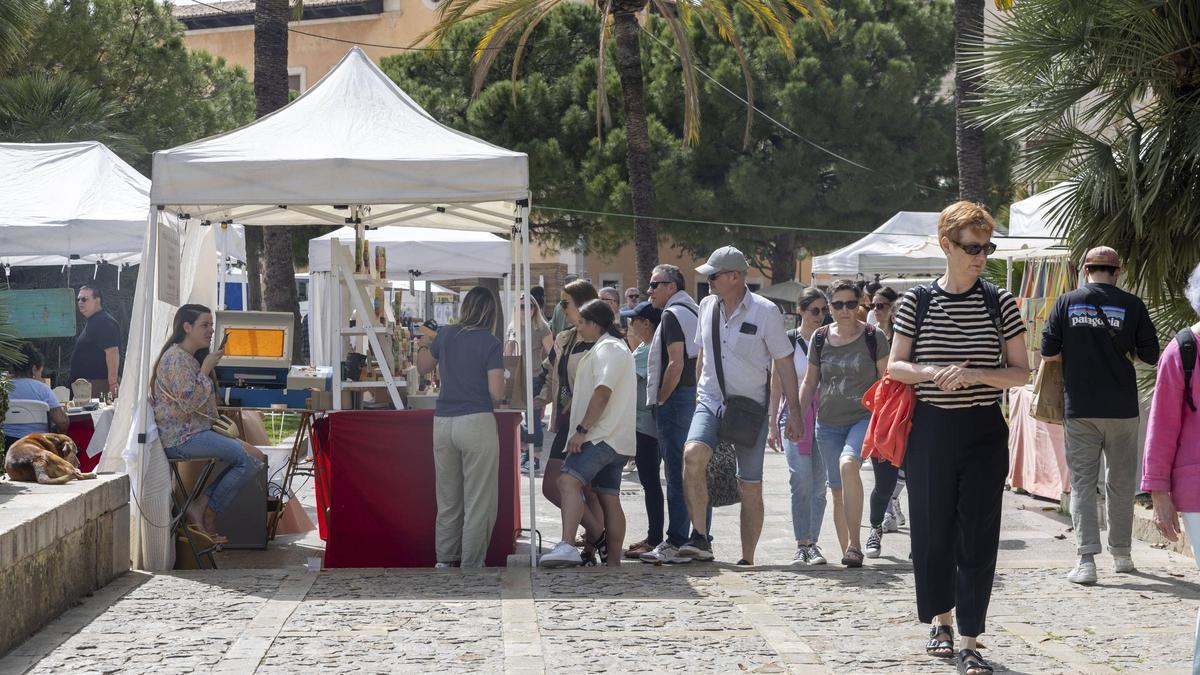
[[818, 343], [716, 345], [991, 300], [924, 296], [1187, 353]]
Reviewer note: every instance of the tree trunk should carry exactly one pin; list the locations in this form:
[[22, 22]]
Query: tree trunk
[[968, 135], [783, 258], [638, 154], [271, 94]]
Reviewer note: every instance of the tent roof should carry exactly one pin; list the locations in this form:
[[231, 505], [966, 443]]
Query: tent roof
[[63, 199], [354, 138], [434, 253], [889, 248], [1037, 216], [786, 291]]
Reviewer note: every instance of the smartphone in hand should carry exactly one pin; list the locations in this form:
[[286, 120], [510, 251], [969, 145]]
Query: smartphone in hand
[[224, 339]]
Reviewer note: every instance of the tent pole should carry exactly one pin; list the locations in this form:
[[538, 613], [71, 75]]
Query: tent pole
[[530, 421], [150, 268]]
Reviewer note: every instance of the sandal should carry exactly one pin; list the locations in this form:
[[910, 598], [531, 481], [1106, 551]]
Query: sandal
[[601, 547], [852, 557], [971, 663], [635, 551], [943, 649]]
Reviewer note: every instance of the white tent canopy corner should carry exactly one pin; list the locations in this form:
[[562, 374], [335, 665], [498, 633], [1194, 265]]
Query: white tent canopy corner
[[369, 154], [62, 202], [895, 247]]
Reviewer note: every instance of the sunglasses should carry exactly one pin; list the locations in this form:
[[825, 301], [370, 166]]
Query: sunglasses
[[83, 299], [632, 296], [844, 304], [975, 249], [656, 284], [714, 277], [817, 311], [880, 306], [564, 303]]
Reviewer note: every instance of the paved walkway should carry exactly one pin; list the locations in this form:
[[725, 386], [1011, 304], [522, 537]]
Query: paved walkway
[[268, 614]]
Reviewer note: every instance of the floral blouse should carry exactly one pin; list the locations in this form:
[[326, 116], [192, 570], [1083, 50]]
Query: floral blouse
[[180, 394]]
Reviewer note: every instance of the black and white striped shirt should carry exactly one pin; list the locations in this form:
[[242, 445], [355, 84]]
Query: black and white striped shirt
[[957, 328]]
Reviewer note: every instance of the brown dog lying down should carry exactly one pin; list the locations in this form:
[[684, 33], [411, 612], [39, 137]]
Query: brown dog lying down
[[49, 459]]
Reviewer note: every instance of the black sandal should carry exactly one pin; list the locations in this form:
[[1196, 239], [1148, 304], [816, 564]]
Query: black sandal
[[601, 547], [943, 649], [852, 557], [970, 660]]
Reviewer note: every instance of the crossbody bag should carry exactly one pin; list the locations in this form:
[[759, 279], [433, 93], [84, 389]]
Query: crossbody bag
[[743, 419]]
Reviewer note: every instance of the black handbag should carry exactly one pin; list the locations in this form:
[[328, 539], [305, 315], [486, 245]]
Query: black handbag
[[743, 419]]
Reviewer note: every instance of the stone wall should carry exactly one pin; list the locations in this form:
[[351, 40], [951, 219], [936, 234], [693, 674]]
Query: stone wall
[[58, 543]]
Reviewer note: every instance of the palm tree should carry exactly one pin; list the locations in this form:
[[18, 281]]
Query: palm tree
[[17, 18], [60, 108], [969, 141], [270, 94], [511, 19], [1106, 96]]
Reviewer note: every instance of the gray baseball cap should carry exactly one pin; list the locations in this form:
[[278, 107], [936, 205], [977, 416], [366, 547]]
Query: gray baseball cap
[[724, 259]]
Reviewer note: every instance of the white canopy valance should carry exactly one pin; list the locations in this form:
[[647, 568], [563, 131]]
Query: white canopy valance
[[425, 253]]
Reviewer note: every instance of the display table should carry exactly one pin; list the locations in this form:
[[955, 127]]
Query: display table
[[89, 430], [376, 504], [1037, 463]]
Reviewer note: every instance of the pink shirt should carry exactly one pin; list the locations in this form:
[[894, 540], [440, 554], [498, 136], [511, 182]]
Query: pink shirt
[[1173, 438]]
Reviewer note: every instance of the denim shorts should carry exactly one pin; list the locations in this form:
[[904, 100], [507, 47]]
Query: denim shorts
[[837, 441], [705, 429], [598, 465]]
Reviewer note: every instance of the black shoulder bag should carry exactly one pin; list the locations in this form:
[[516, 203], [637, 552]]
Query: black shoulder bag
[[743, 419]]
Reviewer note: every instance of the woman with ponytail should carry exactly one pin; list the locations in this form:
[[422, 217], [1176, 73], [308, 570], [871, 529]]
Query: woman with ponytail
[[602, 430], [183, 395]]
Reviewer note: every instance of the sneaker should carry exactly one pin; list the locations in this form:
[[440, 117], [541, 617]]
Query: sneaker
[[874, 543], [697, 548], [664, 554], [562, 555], [800, 557], [889, 523], [1123, 564], [815, 557], [900, 519], [1083, 574], [443, 566], [588, 559], [537, 466]]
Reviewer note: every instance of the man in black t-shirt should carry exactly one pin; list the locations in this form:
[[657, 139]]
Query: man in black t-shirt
[[1095, 331], [96, 356]]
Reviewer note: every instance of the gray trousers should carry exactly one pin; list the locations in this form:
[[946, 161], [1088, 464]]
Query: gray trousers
[[1086, 439], [466, 462]]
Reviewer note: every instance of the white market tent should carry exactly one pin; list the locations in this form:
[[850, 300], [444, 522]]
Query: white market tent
[[1037, 216], [414, 254], [352, 146], [59, 200], [907, 244]]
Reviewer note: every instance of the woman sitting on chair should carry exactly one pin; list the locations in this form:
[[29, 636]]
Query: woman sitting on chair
[[27, 385], [184, 397]]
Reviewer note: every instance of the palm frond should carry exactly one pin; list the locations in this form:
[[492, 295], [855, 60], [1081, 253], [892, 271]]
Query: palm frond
[[17, 18]]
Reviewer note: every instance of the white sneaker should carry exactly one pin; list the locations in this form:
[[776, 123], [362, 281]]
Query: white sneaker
[[1083, 574], [889, 523], [814, 555], [900, 519], [874, 543], [1123, 564], [443, 566], [664, 554], [563, 555], [800, 557]]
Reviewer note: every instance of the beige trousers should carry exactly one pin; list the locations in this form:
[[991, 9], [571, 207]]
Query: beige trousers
[[466, 461]]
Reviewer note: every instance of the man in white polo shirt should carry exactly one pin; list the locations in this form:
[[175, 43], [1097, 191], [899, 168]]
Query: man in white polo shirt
[[750, 339]]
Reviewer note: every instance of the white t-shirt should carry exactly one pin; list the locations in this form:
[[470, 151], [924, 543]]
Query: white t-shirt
[[610, 364]]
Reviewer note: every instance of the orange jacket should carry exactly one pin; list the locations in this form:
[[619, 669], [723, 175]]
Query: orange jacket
[[891, 404]]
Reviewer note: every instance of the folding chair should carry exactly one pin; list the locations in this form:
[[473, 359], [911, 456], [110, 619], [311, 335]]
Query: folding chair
[[182, 498]]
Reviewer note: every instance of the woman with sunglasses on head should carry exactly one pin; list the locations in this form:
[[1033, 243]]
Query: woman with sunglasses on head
[[543, 342], [805, 466], [561, 366], [844, 360], [952, 341]]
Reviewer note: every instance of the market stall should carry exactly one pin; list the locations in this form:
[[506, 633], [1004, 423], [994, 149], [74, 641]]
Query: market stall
[[370, 157]]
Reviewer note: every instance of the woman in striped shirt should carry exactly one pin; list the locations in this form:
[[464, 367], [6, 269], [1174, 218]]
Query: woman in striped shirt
[[967, 345]]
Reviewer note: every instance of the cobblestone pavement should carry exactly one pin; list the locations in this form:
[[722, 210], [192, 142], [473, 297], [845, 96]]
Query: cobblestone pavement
[[264, 612]]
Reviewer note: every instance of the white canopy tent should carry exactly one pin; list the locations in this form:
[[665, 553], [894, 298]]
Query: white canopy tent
[[354, 146], [907, 244], [1038, 216], [414, 253], [62, 202]]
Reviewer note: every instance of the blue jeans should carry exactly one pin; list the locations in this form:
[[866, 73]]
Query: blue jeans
[[807, 481], [598, 465], [674, 419], [208, 444], [538, 429], [835, 442]]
